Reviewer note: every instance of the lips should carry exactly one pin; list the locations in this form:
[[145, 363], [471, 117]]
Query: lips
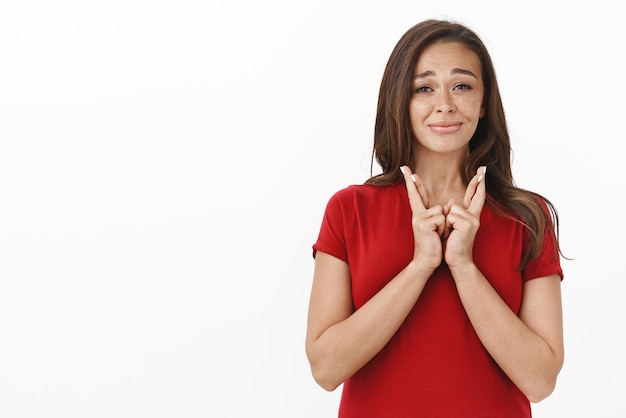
[[445, 127]]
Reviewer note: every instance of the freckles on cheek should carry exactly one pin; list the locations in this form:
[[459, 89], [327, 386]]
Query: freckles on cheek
[[470, 102], [471, 106], [418, 110]]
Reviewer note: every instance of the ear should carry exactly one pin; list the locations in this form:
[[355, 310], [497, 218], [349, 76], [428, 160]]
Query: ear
[[482, 112]]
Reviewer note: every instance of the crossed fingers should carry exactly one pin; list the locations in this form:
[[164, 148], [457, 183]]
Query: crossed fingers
[[473, 201], [431, 218], [476, 193]]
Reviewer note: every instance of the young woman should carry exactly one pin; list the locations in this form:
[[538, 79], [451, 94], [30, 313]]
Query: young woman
[[436, 290]]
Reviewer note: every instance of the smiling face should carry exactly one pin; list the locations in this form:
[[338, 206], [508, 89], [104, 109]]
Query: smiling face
[[447, 99]]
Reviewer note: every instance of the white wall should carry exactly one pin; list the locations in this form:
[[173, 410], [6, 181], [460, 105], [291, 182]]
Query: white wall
[[164, 166]]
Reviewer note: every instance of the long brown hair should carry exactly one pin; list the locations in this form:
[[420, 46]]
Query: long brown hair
[[489, 146]]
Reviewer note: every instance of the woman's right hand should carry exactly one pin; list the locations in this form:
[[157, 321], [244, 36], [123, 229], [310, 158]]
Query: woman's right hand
[[429, 223]]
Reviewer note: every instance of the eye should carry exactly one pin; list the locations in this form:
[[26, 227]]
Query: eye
[[462, 86], [422, 89]]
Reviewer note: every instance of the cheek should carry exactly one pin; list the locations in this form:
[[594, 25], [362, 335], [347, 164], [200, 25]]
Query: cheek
[[472, 107], [417, 111]]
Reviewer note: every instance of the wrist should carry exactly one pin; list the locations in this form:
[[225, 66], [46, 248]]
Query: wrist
[[418, 268], [464, 270]]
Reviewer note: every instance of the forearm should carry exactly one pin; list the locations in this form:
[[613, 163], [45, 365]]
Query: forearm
[[345, 347], [524, 355]]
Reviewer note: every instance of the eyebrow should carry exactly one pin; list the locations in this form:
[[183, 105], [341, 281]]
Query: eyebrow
[[454, 71]]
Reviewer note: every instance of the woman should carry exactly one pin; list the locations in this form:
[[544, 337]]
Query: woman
[[436, 290]]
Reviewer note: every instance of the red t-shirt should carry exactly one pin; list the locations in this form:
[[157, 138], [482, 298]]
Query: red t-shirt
[[435, 365]]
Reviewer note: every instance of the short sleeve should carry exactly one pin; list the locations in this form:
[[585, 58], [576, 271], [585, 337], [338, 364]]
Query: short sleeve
[[331, 238], [548, 260]]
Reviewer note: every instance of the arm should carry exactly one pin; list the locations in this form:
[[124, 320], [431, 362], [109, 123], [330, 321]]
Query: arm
[[528, 347], [339, 340]]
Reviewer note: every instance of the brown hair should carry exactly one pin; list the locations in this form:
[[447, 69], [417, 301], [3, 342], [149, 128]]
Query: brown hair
[[489, 146]]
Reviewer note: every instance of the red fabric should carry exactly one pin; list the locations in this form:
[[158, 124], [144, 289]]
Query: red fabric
[[435, 365]]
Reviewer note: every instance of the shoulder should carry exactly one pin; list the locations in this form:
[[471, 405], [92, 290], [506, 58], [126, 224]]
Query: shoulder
[[366, 190], [368, 203], [360, 194]]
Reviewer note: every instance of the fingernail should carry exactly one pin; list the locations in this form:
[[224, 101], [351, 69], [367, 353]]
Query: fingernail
[[484, 170], [402, 170], [480, 178], [413, 178]]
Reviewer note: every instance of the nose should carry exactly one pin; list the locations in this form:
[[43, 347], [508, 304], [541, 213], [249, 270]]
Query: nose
[[445, 102]]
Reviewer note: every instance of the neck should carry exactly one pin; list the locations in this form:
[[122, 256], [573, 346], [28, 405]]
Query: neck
[[441, 176]]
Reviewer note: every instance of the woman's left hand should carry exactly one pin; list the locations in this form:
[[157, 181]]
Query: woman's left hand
[[463, 221]]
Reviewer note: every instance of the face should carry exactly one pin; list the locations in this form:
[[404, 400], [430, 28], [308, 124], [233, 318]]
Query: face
[[447, 99]]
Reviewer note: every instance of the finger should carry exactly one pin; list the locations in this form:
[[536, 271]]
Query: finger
[[471, 188], [470, 191], [415, 199], [421, 189], [438, 220], [480, 194]]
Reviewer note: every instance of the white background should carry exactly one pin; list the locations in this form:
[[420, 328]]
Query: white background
[[164, 167]]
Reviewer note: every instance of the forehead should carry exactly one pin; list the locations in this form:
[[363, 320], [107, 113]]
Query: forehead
[[444, 56]]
